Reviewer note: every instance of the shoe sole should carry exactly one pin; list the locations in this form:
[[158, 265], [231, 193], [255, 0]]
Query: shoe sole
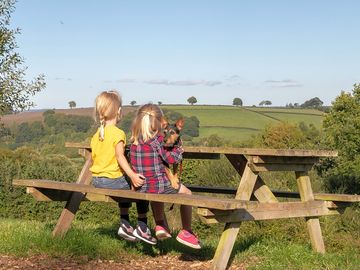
[[162, 235], [187, 243], [143, 239], [124, 235]]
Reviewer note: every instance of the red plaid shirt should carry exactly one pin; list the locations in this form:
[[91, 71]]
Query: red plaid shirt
[[149, 159]]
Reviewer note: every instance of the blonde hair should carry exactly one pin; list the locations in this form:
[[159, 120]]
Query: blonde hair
[[107, 105], [147, 123]]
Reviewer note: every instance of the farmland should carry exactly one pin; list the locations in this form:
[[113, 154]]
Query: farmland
[[229, 122]]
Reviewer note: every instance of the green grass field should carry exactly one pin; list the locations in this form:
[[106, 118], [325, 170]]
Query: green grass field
[[240, 123], [270, 245]]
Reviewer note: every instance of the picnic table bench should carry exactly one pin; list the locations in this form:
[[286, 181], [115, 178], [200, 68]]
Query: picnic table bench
[[248, 162]]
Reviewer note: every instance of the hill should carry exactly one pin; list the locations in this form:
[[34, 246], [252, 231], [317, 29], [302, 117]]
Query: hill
[[234, 123], [239, 123], [31, 116]]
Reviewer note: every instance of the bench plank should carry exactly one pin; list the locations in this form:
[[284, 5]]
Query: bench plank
[[268, 211], [242, 151], [183, 199]]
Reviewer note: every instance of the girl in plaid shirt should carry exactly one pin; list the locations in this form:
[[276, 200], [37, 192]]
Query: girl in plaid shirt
[[149, 157]]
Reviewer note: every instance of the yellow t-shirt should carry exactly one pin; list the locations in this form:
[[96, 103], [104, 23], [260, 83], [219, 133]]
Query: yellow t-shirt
[[103, 153]]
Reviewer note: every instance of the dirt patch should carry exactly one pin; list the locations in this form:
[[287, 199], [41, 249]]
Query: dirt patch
[[180, 262]]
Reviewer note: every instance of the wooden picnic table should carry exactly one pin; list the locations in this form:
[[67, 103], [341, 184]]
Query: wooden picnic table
[[248, 162]]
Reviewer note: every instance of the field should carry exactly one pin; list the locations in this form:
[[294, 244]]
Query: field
[[229, 122], [240, 123]]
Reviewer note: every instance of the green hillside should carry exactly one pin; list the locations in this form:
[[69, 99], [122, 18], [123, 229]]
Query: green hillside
[[239, 123]]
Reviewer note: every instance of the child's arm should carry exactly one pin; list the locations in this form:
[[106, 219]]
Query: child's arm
[[136, 179], [169, 155]]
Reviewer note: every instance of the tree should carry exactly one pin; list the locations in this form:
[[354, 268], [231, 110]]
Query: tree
[[159, 103], [72, 104], [265, 102], [192, 100], [15, 91], [342, 132], [312, 103], [132, 103], [237, 102]]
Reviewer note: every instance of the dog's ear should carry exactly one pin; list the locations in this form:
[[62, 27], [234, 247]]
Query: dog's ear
[[180, 123]]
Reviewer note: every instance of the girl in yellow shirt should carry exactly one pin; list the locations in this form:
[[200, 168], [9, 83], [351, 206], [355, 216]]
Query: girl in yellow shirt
[[110, 168]]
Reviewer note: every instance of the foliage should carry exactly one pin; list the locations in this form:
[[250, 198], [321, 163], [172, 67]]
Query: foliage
[[192, 100], [312, 103], [191, 124], [72, 104], [28, 132], [132, 103], [61, 122], [288, 136], [237, 102], [265, 102], [15, 91], [342, 132], [126, 122]]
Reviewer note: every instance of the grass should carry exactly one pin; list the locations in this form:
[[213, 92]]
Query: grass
[[280, 244], [240, 123]]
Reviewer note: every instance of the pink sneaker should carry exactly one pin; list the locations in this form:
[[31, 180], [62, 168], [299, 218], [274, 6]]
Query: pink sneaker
[[188, 239], [161, 233]]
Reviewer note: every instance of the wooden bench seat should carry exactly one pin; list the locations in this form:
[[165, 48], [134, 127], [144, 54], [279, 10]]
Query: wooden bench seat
[[210, 209], [42, 189]]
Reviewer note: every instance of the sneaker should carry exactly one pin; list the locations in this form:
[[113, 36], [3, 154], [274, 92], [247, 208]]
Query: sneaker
[[161, 233], [188, 239], [144, 234], [126, 231]]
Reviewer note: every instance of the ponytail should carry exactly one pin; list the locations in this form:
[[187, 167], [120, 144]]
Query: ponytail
[[102, 130]]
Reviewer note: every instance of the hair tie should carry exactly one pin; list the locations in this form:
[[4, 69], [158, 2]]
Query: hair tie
[[148, 113]]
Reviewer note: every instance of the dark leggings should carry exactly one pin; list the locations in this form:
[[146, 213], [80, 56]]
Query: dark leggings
[[142, 207]]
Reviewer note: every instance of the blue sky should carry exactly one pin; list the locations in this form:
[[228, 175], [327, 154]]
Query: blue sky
[[282, 51]]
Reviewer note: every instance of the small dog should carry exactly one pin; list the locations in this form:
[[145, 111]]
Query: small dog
[[172, 137]]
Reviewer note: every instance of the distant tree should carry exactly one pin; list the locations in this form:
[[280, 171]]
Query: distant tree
[[237, 102], [132, 103], [296, 105], [15, 91], [159, 103], [192, 100], [72, 104], [265, 102], [312, 103]]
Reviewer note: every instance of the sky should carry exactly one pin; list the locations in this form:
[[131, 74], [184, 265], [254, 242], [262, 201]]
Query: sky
[[151, 51]]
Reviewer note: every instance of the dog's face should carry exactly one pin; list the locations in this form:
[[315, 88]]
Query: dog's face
[[171, 132]]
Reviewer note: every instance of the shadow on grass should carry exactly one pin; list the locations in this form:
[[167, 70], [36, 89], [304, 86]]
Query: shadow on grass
[[172, 245]]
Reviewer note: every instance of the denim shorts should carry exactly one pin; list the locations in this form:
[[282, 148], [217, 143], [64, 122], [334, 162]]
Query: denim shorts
[[112, 183]]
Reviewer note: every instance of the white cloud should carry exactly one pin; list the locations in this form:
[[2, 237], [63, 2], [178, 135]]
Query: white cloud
[[283, 83]]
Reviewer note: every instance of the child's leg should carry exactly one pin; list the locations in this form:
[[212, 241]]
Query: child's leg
[[142, 231], [125, 230], [185, 210], [159, 213], [124, 210], [142, 209], [186, 236], [162, 231]]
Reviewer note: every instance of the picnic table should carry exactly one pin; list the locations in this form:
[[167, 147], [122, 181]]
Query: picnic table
[[248, 162]]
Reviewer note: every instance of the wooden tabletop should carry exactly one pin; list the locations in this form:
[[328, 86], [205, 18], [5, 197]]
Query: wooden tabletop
[[241, 151]]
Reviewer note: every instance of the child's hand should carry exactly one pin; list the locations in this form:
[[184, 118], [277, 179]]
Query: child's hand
[[137, 180]]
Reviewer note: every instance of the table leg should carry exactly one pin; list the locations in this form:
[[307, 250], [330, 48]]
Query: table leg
[[72, 205], [313, 224], [231, 230]]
